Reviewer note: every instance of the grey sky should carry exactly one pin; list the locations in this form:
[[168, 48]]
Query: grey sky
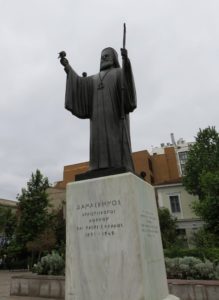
[[174, 49]]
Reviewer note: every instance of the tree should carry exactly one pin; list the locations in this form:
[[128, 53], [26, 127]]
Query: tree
[[203, 238], [7, 223], [167, 227], [33, 203], [44, 242], [208, 207], [59, 227], [203, 157], [202, 178]]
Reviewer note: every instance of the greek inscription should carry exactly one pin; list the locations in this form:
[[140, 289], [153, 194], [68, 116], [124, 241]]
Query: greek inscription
[[99, 219], [85, 206], [149, 224]]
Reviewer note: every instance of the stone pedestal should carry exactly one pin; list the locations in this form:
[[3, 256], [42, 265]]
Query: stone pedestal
[[114, 249]]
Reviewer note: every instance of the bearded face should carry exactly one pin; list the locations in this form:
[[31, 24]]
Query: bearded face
[[107, 61]]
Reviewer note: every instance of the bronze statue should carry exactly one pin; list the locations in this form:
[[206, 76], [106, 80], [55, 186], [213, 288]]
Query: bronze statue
[[106, 99]]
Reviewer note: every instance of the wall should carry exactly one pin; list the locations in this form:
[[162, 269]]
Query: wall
[[70, 171], [54, 287], [165, 167], [56, 197], [38, 286], [187, 221], [186, 200], [141, 163], [194, 289]]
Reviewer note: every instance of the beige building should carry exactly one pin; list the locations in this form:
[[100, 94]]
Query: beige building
[[56, 197], [173, 195], [8, 203], [179, 202]]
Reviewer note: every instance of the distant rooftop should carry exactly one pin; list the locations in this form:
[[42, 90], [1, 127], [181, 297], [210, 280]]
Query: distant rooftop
[[5, 202], [179, 144]]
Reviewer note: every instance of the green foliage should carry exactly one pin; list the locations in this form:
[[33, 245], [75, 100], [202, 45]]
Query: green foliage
[[51, 264], [7, 229], [167, 227], [205, 239], [7, 222], [59, 228], [203, 157], [211, 254], [202, 179], [15, 263], [190, 268], [37, 230], [43, 242], [208, 208], [33, 209]]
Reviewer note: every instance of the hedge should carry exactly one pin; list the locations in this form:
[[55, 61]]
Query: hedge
[[211, 254]]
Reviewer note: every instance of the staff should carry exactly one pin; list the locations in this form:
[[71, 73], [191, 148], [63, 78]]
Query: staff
[[124, 55], [124, 35]]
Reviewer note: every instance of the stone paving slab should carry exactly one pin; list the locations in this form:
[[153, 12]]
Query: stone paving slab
[[5, 278]]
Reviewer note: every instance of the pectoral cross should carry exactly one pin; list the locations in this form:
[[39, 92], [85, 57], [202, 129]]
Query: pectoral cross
[[100, 86]]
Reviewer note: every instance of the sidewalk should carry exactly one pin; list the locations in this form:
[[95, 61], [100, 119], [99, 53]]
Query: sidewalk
[[5, 278]]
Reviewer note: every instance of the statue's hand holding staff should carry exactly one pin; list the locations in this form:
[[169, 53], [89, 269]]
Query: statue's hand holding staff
[[124, 52]]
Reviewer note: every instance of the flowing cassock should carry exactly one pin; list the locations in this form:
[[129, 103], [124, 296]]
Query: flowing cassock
[[99, 98]]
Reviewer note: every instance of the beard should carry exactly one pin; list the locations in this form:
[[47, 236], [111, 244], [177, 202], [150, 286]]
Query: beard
[[106, 65]]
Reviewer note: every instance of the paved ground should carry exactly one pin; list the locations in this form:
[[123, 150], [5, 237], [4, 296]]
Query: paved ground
[[5, 277]]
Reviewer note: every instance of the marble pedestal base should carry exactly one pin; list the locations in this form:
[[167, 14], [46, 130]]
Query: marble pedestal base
[[114, 249]]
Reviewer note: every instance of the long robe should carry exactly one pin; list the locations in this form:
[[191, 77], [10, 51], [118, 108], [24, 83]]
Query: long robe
[[108, 111]]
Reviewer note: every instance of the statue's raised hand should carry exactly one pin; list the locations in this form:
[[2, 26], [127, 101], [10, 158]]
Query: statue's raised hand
[[63, 60]]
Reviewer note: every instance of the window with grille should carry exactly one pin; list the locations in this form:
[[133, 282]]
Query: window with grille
[[174, 204]]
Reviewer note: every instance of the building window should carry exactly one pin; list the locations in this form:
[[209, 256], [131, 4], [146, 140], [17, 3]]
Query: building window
[[182, 160], [174, 204]]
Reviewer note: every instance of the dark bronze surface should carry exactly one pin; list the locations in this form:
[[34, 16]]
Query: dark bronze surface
[[106, 99], [101, 173]]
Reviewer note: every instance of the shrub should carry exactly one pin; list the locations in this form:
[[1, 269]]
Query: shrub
[[51, 264], [211, 254], [205, 239], [205, 270], [217, 271], [191, 268]]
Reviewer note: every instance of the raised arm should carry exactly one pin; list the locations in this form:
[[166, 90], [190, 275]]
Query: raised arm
[[79, 91], [63, 60], [130, 99]]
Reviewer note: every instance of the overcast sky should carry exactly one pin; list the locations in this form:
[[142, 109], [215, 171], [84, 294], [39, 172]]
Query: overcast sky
[[174, 49]]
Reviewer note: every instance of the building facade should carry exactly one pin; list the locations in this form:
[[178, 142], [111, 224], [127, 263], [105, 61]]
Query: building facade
[[171, 193], [163, 168]]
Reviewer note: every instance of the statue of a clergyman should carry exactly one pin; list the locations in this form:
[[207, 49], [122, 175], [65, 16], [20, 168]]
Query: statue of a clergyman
[[106, 99]]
